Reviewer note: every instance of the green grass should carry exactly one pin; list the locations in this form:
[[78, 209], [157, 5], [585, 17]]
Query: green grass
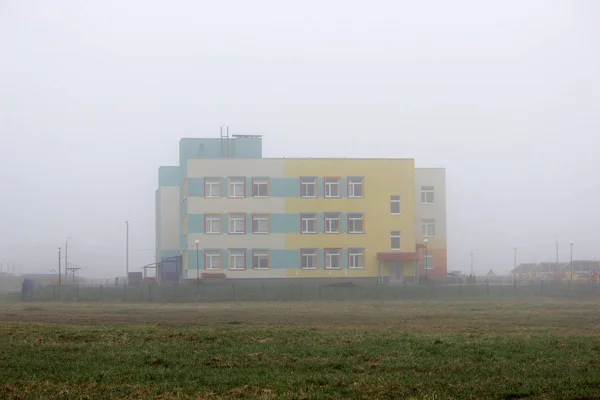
[[309, 350]]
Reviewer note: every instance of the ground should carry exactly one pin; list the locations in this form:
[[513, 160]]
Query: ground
[[301, 350]]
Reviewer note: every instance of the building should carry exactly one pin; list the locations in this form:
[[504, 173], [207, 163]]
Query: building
[[556, 271], [226, 211]]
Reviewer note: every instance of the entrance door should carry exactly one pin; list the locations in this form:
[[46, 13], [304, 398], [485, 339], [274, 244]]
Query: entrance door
[[396, 272]]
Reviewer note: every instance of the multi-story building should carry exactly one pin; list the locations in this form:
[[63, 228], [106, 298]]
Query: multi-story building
[[227, 211]]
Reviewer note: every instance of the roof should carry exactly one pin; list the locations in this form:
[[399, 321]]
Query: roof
[[397, 256]]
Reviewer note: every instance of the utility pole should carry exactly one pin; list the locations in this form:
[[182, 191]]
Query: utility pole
[[515, 273], [59, 271], [126, 258], [66, 256], [471, 264], [557, 254], [571, 277]]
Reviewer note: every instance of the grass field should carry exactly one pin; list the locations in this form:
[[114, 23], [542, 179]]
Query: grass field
[[310, 350]]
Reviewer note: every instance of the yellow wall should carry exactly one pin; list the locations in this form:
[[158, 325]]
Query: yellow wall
[[382, 179]]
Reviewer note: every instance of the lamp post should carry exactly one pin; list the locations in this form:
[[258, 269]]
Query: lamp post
[[197, 243], [426, 275], [571, 277], [59, 271]]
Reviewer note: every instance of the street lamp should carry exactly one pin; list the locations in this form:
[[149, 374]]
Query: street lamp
[[426, 241], [197, 243], [571, 277]]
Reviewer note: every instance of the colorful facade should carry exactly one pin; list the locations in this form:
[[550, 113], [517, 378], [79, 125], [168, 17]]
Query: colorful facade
[[226, 210]]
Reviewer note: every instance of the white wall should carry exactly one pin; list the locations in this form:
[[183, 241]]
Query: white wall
[[272, 167], [247, 241], [204, 205], [435, 177]]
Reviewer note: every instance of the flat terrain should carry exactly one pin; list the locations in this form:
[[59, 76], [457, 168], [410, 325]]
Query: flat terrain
[[309, 350]]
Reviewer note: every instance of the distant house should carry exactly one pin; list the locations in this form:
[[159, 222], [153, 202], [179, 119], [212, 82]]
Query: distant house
[[582, 269], [526, 268], [491, 273]]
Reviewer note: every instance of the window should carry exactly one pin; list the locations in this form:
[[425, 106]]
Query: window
[[237, 187], [355, 223], [212, 259], [308, 187], [356, 258], [428, 227], [332, 223], [308, 223], [260, 223], [395, 205], [260, 259], [355, 187], [332, 187], [237, 259], [212, 187], [427, 195], [212, 223], [237, 223], [428, 261], [332, 259], [308, 258], [260, 187], [395, 239]]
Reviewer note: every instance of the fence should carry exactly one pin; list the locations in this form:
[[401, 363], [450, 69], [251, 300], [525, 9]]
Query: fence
[[228, 291]]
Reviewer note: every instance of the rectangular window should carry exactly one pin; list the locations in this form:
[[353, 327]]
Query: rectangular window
[[332, 222], [428, 261], [356, 258], [260, 187], [260, 223], [395, 205], [308, 187], [212, 223], [308, 223], [333, 258], [237, 259], [237, 223], [355, 187], [427, 194], [212, 187], [355, 223], [260, 259], [308, 258], [395, 240], [428, 227], [237, 187], [332, 187], [212, 259]]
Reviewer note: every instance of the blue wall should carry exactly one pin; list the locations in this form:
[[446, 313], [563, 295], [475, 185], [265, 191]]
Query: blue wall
[[279, 223], [192, 148], [280, 259], [168, 176]]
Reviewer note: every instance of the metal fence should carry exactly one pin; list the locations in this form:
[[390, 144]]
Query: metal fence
[[228, 291]]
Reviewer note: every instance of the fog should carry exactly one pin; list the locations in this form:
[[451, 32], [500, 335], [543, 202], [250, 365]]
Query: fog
[[94, 96]]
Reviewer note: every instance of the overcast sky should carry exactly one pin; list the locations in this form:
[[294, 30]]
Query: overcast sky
[[95, 95]]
